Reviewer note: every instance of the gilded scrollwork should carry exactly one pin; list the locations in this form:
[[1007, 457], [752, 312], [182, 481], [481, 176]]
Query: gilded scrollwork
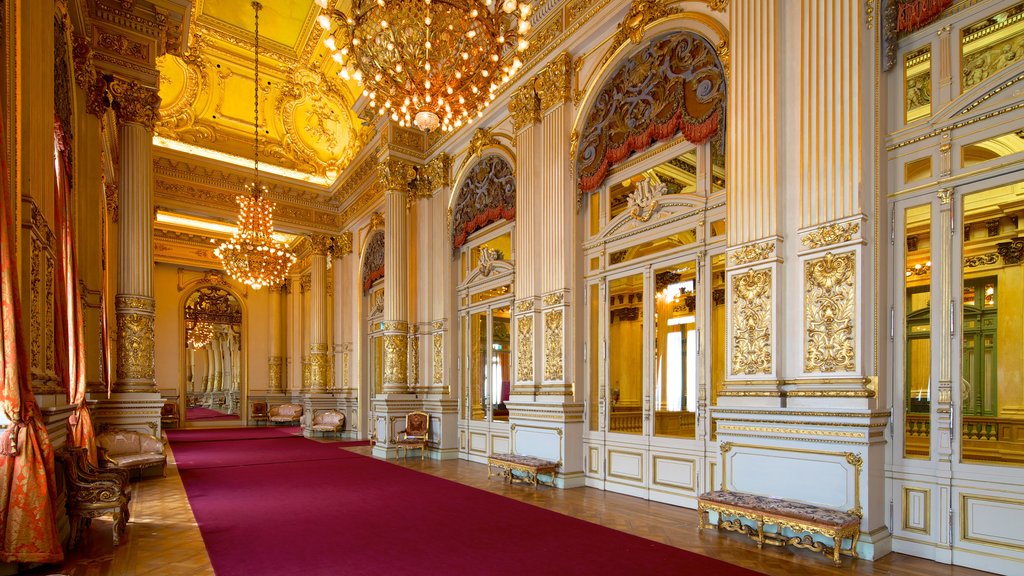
[[553, 298], [135, 350], [524, 348], [438, 360], [274, 382], [831, 234], [373, 261], [343, 244], [321, 244], [752, 253], [396, 369], [554, 82], [319, 371], [641, 13], [488, 194], [829, 313], [483, 138], [553, 345], [751, 328], [377, 221], [524, 106], [414, 360], [395, 174]]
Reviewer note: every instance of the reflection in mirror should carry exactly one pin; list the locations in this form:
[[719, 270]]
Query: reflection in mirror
[[917, 377], [213, 345], [675, 350], [501, 364], [626, 341], [718, 328], [679, 175]]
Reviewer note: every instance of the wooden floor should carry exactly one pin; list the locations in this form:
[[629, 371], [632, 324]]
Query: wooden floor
[[163, 539]]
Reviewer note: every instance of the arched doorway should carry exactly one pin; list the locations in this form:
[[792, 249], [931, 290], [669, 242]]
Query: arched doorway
[[213, 383]]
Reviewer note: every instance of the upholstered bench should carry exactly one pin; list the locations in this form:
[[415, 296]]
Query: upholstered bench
[[285, 414], [803, 519], [130, 450], [530, 466]]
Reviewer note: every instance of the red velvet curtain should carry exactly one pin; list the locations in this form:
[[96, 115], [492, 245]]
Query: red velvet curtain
[[28, 525], [69, 332]]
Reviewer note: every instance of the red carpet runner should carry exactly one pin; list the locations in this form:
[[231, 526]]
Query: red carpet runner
[[272, 504]]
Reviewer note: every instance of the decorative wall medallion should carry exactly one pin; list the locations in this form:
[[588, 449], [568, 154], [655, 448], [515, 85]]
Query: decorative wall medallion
[[831, 234], [524, 348], [673, 84], [438, 364], [751, 326], [553, 345], [753, 253], [829, 307], [641, 13], [488, 194], [643, 201], [373, 261]]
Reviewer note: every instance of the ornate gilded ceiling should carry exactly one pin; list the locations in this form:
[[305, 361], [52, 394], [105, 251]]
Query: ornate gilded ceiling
[[306, 119]]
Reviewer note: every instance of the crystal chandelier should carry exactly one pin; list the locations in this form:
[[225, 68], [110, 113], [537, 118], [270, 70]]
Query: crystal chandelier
[[428, 63], [252, 256], [200, 334]]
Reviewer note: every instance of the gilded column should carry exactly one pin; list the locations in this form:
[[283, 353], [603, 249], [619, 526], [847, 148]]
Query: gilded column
[[395, 176], [275, 383], [135, 106], [319, 359]]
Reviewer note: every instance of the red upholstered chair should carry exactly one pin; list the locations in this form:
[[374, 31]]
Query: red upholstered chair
[[416, 433], [258, 412]]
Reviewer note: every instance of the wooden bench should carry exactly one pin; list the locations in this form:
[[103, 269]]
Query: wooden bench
[[803, 519], [530, 467]]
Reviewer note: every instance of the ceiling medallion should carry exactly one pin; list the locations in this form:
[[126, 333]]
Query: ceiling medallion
[[428, 63], [252, 256]]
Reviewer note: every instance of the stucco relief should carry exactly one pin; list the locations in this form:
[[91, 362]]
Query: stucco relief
[[829, 306], [751, 326]]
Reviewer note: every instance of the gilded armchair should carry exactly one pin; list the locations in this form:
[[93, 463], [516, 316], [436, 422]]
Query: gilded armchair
[[94, 492], [416, 433]]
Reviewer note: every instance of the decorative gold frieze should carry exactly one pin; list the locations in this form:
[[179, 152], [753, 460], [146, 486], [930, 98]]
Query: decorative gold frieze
[[343, 244], [438, 360], [553, 345], [396, 369], [554, 298], [831, 234], [524, 348], [829, 313], [394, 326], [752, 253], [134, 103], [554, 82], [274, 382], [751, 327], [524, 306]]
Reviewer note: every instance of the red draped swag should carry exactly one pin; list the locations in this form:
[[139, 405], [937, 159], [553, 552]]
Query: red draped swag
[[69, 335], [28, 525]]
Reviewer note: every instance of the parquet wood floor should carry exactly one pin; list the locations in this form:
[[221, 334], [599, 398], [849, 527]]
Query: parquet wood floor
[[163, 539]]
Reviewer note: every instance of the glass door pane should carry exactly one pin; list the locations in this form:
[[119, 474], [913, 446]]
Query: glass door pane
[[593, 354], [501, 361], [625, 358], [718, 329], [676, 367], [991, 398], [917, 333], [478, 365]]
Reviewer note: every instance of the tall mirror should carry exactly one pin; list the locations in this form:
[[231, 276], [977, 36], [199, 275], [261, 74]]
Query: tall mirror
[[214, 378]]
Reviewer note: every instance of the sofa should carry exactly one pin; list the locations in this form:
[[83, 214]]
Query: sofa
[[328, 421], [285, 413], [130, 450]]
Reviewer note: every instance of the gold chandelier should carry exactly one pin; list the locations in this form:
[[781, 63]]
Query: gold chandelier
[[252, 256], [428, 63], [200, 334]]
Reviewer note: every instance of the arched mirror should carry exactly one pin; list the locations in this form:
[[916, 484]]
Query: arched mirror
[[214, 368]]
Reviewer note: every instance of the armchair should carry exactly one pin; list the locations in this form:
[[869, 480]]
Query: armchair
[[328, 421], [285, 413], [169, 415], [258, 412], [93, 493], [416, 433]]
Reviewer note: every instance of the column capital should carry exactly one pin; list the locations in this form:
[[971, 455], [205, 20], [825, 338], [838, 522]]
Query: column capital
[[395, 174], [305, 282], [134, 103], [321, 244], [343, 244], [377, 221], [524, 106], [553, 83]]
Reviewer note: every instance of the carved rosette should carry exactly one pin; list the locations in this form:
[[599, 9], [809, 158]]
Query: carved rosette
[[319, 363], [752, 253], [274, 382], [438, 365], [396, 361], [524, 348], [134, 103], [136, 358], [829, 307], [553, 345], [751, 326]]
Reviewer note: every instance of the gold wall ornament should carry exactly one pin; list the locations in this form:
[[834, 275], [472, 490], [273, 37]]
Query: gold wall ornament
[[829, 307], [751, 327], [718, 5], [554, 82], [373, 261], [643, 201], [343, 244], [831, 234], [945, 195], [396, 369], [641, 14], [438, 360], [752, 253], [438, 172], [377, 221], [524, 348], [553, 298], [135, 347], [724, 56], [274, 382], [553, 345], [524, 106], [134, 103], [483, 138], [305, 282], [321, 244], [414, 360], [319, 371]]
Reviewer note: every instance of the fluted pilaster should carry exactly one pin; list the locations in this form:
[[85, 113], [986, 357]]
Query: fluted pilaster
[[319, 358], [275, 383], [396, 175]]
